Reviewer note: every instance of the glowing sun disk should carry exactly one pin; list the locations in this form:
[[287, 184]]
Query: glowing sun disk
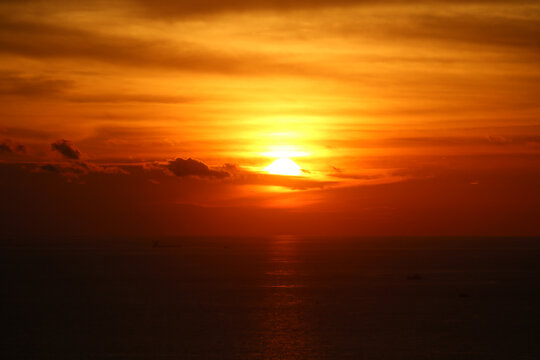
[[283, 166]]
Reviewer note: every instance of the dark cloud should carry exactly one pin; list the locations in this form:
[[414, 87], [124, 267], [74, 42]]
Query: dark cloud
[[499, 140], [49, 168], [26, 133], [21, 85], [67, 149], [190, 7], [132, 98], [190, 167], [76, 169], [468, 141], [477, 30], [470, 27], [69, 171], [341, 175], [186, 8], [43, 40], [462, 140], [8, 146]]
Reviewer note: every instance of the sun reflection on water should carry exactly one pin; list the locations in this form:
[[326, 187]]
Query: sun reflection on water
[[286, 330]]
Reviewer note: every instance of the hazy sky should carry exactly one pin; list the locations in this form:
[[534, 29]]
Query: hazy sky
[[407, 117]]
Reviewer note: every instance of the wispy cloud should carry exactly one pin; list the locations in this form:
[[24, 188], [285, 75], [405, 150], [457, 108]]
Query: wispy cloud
[[12, 83]]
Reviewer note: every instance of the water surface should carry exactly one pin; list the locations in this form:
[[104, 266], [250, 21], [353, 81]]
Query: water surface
[[271, 298]]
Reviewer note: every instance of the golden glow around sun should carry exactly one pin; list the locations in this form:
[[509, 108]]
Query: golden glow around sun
[[283, 166]]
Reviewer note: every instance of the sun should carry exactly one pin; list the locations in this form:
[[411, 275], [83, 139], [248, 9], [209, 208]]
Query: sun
[[283, 166]]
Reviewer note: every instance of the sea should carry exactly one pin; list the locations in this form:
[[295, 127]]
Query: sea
[[278, 297]]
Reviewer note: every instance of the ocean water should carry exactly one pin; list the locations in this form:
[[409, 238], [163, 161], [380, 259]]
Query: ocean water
[[278, 297]]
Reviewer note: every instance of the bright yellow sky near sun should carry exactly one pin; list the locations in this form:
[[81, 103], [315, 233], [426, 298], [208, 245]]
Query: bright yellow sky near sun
[[330, 87]]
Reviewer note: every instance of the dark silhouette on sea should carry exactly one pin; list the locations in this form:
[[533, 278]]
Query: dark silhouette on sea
[[270, 298]]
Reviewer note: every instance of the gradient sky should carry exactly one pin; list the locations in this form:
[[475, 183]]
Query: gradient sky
[[407, 117]]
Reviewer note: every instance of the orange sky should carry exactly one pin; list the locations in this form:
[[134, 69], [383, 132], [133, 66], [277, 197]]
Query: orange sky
[[407, 117]]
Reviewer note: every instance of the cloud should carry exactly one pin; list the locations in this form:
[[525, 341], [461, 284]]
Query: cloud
[[186, 8], [358, 176], [514, 38], [479, 30], [67, 149], [20, 35], [75, 169], [41, 40], [69, 171], [18, 84], [12, 83], [27, 133], [190, 167], [36, 39], [49, 168], [132, 98], [8, 146], [450, 141]]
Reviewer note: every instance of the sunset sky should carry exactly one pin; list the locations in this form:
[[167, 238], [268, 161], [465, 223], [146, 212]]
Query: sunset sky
[[142, 117]]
